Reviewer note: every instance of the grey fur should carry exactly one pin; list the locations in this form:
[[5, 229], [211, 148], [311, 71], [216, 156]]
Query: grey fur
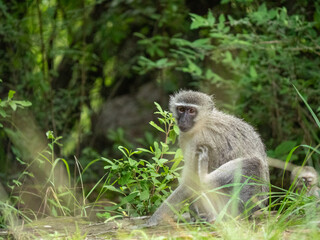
[[218, 150], [307, 177]]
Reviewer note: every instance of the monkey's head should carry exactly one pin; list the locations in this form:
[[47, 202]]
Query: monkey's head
[[307, 176], [188, 107]]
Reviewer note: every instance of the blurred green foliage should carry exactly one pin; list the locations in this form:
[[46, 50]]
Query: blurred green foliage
[[69, 58], [254, 55]]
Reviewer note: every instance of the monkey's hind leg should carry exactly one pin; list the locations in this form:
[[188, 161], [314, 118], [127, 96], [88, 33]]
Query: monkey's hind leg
[[199, 211], [239, 175]]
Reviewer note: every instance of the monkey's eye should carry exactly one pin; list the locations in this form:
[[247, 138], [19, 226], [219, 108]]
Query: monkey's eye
[[181, 109], [310, 179], [192, 111]]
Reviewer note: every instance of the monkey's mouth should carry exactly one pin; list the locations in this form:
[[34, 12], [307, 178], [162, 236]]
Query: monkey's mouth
[[184, 128]]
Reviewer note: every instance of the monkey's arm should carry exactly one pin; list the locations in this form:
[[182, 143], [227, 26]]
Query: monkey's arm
[[288, 166], [172, 203], [203, 161]]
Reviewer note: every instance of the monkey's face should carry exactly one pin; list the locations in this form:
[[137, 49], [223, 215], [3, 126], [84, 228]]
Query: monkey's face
[[185, 117], [307, 181], [307, 177]]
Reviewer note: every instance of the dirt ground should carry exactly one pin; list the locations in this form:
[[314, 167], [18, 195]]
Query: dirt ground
[[81, 228], [78, 228]]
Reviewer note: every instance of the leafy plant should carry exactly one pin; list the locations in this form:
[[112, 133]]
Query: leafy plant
[[55, 197], [253, 55], [10, 103], [143, 184]]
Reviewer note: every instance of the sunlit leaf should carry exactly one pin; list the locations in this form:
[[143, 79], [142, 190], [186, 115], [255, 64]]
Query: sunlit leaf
[[11, 94], [24, 103], [3, 113], [153, 124]]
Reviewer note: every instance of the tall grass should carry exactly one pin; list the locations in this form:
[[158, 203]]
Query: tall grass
[[290, 215]]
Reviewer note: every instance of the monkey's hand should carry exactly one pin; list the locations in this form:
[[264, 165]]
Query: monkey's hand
[[151, 222], [203, 159], [202, 151]]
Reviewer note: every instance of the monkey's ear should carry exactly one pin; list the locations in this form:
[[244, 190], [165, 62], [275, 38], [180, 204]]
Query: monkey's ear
[[212, 99], [172, 106]]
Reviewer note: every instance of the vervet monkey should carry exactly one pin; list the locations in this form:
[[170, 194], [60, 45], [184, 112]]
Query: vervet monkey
[[218, 149], [306, 178]]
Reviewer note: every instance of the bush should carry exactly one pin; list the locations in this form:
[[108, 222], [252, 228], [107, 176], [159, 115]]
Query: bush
[[254, 58], [144, 184]]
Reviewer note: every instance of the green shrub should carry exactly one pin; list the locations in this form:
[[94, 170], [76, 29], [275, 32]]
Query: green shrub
[[250, 58], [142, 177]]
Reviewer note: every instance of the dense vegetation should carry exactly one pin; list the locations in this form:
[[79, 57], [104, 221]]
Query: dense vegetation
[[79, 80]]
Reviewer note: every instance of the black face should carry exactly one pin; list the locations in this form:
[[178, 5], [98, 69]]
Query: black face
[[186, 115]]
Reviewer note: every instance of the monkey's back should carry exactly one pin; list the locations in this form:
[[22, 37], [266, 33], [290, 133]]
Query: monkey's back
[[227, 138], [232, 138]]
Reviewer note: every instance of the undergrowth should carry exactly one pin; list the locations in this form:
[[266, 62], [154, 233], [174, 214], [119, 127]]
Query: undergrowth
[[141, 179]]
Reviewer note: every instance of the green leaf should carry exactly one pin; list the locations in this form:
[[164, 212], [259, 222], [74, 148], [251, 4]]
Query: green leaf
[[228, 57], [198, 21], [162, 161], [217, 35], [165, 147], [153, 124], [158, 107], [312, 148], [112, 188], [177, 159], [176, 129], [107, 160], [24, 103], [222, 19], [288, 160], [124, 150], [132, 162], [253, 72], [125, 178], [231, 20], [163, 62], [124, 201], [49, 135], [145, 195], [309, 108], [13, 105], [203, 43], [3, 113], [112, 208], [209, 74], [216, 78], [284, 148], [211, 19], [10, 94], [193, 68], [129, 198], [144, 150], [16, 182]]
